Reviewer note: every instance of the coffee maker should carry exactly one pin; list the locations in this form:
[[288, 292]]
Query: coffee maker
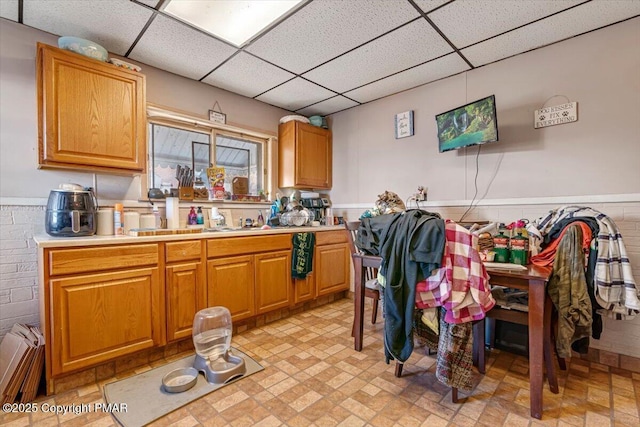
[[318, 205]]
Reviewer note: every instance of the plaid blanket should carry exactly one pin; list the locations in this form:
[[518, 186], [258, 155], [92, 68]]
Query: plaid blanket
[[461, 284]]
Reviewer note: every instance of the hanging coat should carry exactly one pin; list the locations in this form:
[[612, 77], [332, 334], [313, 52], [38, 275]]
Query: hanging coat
[[568, 290]]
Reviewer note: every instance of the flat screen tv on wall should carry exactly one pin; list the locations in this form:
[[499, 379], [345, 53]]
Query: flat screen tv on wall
[[472, 124]]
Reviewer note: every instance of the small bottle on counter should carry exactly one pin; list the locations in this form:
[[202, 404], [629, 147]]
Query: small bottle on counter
[[199, 216], [158, 219], [260, 219], [192, 218], [118, 219]]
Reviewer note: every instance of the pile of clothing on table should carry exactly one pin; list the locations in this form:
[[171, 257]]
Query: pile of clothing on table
[[591, 274], [432, 265]]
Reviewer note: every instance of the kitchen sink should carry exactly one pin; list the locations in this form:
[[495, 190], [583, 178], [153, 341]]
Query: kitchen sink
[[231, 229]]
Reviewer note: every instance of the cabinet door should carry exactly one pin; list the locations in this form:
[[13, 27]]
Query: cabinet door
[[91, 113], [273, 281], [231, 284], [304, 289], [304, 156], [101, 316], [186, 295], [331, 267]]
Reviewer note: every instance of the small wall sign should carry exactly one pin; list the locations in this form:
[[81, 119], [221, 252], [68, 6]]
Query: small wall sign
[[556, 115], [217, 117], [404, 124]]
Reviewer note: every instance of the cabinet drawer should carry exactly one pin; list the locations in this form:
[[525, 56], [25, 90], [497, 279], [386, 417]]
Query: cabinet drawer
[[70, 261], [181, 251], [247, 245], [331, 237]]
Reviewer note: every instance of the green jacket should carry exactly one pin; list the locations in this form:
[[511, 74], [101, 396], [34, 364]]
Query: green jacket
[[568, 290]]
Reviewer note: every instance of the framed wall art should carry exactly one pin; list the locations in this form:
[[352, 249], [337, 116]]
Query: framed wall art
[[404, 124]]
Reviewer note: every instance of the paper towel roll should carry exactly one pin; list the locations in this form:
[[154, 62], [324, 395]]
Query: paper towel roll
[[173, 212], [105, 222], [131, 220]]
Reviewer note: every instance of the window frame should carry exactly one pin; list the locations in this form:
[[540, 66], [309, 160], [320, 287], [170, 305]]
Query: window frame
[[167, 117]]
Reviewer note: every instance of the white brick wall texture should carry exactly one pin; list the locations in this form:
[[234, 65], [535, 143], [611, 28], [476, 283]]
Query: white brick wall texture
[[618, 336], [18, 265], [19, 274]]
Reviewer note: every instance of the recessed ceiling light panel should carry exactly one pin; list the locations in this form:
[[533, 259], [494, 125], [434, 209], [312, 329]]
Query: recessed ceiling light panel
[[235, 21]]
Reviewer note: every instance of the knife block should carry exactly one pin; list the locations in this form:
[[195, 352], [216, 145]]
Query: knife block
[[185, 193]]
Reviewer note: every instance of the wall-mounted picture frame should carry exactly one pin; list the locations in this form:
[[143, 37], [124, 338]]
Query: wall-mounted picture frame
[[217, 117], [404, 124]]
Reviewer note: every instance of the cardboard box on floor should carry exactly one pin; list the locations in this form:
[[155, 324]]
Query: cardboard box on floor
[[21, 363]]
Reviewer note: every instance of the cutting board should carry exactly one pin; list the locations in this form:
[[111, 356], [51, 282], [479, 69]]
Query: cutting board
[[240, 185], [162, 231]]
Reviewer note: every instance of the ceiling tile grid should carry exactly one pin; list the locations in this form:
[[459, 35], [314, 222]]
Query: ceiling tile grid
[[9, 9], [295, 94], [175, 47], [113, 24], [587, 17], [324, 29], [362, 49], [331, 105], [405, 47], [429, 5], [247, 75], [151, 3], [422, 74], [468, 22]]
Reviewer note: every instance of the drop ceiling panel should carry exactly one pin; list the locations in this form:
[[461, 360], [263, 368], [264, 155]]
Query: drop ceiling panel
[[422, 74], [403, 48], [113, 24], [152, 3], [247, 75], [9, 9], [468, 22], [295, 94], [325, 29], [572, 22], [329, 106], [175, 47], [428, 5]]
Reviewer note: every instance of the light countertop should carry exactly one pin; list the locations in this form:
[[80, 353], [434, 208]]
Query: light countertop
[[46, 241]]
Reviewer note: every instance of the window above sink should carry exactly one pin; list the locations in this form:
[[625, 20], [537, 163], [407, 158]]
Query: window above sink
[[178, 140]]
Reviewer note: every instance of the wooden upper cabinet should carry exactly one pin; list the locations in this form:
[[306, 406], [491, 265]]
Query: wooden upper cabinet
[[91, 114], [304, 156]]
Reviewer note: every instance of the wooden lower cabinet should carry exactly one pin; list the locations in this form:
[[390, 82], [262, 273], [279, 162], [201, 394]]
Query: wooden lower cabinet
[[107, 301], [98, 317], [186, 295], [331, 268], [304, 289], [273, 281], [230, 283]]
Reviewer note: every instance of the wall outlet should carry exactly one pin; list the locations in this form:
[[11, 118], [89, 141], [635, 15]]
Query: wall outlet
[[421, 195]]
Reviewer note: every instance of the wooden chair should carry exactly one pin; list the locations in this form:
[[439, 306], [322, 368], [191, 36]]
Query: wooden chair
[[366, 268], [372, 288]]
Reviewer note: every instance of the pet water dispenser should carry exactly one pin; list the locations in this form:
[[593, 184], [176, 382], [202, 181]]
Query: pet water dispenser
[[212, 341]]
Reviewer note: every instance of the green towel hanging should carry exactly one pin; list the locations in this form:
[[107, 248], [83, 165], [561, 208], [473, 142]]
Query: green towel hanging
[[302, 255]]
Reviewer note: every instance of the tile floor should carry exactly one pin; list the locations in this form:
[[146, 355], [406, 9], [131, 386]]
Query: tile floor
[[313, 377]]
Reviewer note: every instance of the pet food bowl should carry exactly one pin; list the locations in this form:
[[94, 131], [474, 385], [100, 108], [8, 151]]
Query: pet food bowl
[[179, 380]]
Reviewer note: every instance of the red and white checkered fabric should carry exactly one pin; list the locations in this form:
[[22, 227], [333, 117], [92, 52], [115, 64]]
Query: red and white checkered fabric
[[461, 285]]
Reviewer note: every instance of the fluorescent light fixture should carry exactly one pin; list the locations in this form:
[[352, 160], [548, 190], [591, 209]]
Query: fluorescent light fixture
[[235, 21]]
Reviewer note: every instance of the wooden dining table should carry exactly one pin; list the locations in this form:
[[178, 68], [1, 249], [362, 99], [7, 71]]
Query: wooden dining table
[[538, 318], [533, 280]]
